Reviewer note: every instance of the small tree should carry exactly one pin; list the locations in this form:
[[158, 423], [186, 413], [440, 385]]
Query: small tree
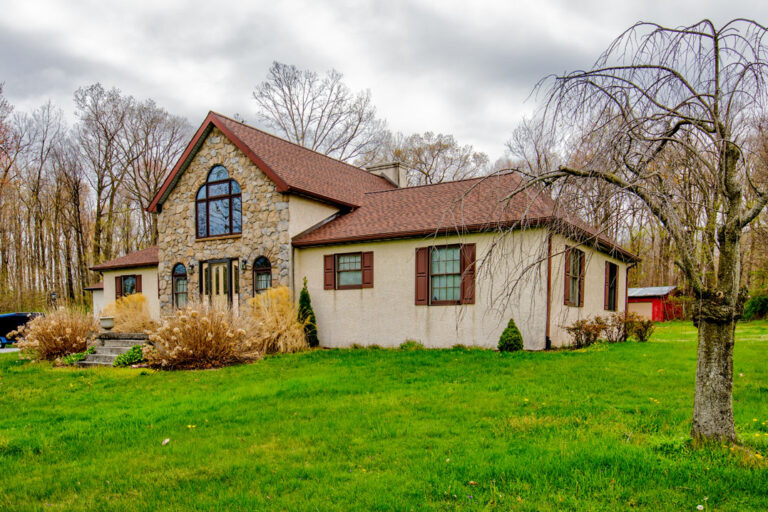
[[306, 314], [511, 340]]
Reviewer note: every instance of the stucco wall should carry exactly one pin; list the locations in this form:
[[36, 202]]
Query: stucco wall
[[265, 218], [97, 301], [148, 286], [594, 289], [386, 314], [306, 213]]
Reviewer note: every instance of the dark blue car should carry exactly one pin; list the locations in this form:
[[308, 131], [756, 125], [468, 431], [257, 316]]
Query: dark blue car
[[10, 322]]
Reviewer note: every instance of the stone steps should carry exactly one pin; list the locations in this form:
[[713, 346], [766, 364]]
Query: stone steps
[[109, 345]]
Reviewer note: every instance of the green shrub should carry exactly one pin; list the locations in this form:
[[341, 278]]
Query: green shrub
[[511, 340], [411, 345], [756, 308], [71, 359], [307, 316], [642, 329], [586, 332], [135, 355]]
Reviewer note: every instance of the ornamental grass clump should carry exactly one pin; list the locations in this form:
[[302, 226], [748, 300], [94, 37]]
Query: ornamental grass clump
[[201, 336], [276, 325], [131, 314], [56, 334]]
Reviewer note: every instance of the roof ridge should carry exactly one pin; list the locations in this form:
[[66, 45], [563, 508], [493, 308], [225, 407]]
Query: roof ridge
[[492, 175], [298, 145]]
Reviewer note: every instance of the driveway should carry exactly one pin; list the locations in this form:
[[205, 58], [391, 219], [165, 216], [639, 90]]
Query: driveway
[[8, 350]]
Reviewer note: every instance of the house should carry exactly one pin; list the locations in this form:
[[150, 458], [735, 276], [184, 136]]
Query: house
[[135, 272], [442, 264], [654, 303]]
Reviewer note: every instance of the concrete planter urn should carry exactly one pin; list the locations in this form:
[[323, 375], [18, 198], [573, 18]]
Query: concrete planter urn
[[107, 322]]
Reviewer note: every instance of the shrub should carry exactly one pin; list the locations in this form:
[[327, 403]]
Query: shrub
[[71, 359], [307, 316], [641, 329], [131, 314], [276, 326], [756, 308], [616, 327], [586, 332], [511, 340], [135, 355], [200, 336], [411, 345], [57, 334]]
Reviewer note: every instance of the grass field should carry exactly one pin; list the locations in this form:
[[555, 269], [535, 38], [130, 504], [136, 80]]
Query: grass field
[[602, 428]]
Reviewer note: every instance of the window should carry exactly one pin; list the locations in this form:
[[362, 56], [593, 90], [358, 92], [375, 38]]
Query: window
[[179, 285], [611, 286], [219, 205], [574, 277], [445, 275], [127, 285], [262, 274], [348, 271]]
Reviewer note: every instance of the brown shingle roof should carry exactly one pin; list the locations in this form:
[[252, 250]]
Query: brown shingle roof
[[144, 258], [96, 286], [472, 205], [291, 167]]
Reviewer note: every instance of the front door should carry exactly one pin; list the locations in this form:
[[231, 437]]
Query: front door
[[216, 283]]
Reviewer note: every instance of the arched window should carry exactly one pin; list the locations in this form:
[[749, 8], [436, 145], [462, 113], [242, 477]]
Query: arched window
[[179, 286], [219, 205], [262, 274]]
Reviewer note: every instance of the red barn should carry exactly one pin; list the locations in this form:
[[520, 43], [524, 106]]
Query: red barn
[[654, 303]]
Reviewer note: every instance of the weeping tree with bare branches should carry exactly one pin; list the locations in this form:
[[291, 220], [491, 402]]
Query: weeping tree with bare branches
[[669, 115]]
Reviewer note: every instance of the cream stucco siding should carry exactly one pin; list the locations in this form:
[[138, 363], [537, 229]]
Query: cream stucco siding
[[306, 213], [97, 301], [386, 314], [148, 286]]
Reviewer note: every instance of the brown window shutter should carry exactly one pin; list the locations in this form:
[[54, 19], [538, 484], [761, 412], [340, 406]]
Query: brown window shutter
[[329, 271], [138, 283], [118, 287], [567, 291], [606, 295], [581, 278], [367, 264], [422, 276], [468, 274]]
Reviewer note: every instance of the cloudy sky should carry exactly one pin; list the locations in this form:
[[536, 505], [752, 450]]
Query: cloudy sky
[[460, 67]]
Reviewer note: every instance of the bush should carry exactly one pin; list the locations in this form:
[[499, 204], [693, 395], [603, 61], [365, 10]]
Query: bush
[[756, 308], [586, 332], [511, 340], [57, 334], [276, 326], [307, 316], [135, 355], [71, 359], [411, 345], [641, 329], [201, 336], [131, 314], [617, 327]]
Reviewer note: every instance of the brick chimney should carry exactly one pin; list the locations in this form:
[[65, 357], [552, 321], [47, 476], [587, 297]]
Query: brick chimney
[[394, 172]]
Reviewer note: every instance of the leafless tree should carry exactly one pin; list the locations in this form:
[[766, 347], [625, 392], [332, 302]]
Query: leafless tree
[[669, 116], [320, 113]]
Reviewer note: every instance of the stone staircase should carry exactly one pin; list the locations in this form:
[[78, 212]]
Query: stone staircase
[[109, 345]]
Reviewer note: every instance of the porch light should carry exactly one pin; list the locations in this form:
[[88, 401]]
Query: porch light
[[192, 265], [243, 265]]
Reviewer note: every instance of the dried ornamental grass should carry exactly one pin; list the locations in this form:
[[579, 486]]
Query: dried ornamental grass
[[275, 316], [131, 314], [56, 334], [201, 336]]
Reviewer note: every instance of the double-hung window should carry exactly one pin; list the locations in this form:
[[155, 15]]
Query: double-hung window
[[574, 277]]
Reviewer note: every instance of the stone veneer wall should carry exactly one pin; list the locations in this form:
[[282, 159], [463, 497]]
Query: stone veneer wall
[[265, 223]]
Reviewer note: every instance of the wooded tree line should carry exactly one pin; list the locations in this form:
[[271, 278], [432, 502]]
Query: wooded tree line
[[73, 196]]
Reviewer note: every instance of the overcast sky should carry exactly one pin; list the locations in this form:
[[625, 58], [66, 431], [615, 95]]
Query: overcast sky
[[465, 67]]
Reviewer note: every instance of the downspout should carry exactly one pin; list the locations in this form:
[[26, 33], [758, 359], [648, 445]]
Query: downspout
[[547, 339], [626, 290]]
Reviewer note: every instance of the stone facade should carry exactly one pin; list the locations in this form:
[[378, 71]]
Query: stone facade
[[265, 223]]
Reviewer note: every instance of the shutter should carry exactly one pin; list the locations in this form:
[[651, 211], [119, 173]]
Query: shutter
[[607, 294], [468, 274], [581, 278], [329, 271], [422, 276], [118, 287], [138, 283], [567, 291], [367, 264]]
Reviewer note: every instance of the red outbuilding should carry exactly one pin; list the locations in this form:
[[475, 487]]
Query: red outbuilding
[[654, 303]]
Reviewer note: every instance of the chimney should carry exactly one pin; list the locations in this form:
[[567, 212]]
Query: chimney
[[394, 172]]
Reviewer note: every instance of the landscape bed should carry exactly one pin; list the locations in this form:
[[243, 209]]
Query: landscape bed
[[600, 428]]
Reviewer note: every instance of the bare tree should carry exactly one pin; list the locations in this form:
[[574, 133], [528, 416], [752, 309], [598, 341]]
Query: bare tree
[[668, 112], [321, 114]]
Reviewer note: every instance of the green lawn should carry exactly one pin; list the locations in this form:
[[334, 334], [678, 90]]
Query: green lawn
[[602, 428]]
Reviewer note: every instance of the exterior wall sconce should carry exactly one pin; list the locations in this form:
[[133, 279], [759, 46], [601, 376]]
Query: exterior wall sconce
[[192, 265], [243, 265]]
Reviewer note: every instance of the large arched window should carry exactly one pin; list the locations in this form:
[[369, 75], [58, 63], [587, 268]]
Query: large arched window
[[262, 274], [179, 286], [219, 205]]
